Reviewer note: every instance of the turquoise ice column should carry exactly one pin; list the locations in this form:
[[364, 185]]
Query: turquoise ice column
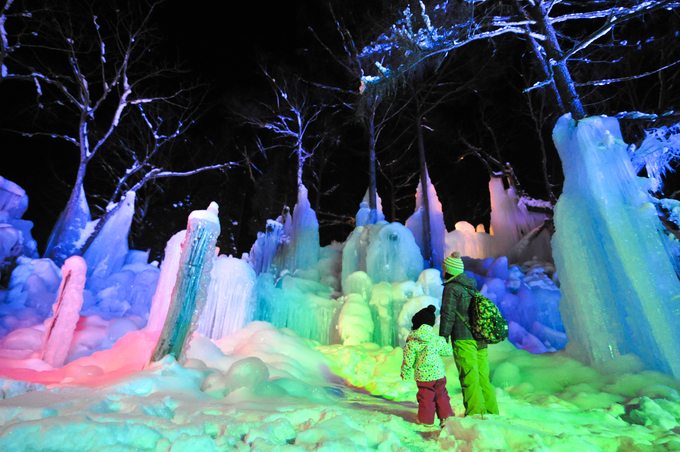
[[193, 277], [620, 293]]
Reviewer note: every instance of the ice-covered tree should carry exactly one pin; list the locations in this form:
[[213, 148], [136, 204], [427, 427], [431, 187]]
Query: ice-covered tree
[[290, 114], [427, 35]]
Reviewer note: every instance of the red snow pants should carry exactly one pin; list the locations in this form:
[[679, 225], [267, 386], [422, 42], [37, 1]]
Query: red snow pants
[[433, 398]]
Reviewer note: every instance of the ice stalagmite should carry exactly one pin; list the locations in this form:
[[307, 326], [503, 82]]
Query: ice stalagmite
[[166, 282], [189, 294], [619, 289], [302, 252], [59, 328], [231, 298]]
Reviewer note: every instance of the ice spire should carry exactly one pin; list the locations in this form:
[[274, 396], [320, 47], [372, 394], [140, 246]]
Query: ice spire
[[436, 222], [189, 294], [302, 252]]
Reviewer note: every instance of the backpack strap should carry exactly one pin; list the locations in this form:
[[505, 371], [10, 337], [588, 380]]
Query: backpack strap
[[467, 324]]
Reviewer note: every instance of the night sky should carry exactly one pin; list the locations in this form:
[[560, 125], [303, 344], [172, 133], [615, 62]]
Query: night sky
[[220, 44]]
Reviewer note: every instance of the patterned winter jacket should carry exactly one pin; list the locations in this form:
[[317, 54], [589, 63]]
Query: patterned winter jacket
[[456, 297], [422, 351]]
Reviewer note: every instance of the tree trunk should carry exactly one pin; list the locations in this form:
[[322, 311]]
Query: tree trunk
[[427, 234], [561, 76], [372, 186]]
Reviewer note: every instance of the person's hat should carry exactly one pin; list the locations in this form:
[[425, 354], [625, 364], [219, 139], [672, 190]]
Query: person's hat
[[453, 265], [424, 317]]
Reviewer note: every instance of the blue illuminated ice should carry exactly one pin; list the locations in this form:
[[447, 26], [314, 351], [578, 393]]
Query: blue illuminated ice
[[436, 222], [106, 254], [619, 288]]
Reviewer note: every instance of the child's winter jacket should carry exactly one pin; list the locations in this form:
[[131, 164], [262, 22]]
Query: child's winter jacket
[[423, 351]]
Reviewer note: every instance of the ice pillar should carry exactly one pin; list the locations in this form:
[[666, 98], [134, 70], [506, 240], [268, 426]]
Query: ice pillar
[[59, 328], [619, 289], [193, 277]]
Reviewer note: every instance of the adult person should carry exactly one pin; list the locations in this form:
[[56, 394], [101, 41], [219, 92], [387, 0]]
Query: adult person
[[471, 356]]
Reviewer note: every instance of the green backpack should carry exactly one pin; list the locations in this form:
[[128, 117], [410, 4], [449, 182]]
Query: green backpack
[[486, 322]]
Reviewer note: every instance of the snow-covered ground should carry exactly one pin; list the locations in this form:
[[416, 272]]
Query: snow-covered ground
[[266, 389]]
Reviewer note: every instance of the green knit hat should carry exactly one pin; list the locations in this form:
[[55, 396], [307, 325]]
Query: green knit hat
[[453, 265]]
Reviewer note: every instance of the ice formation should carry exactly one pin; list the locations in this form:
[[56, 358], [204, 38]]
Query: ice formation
[[302, 251], [510, 220], [385, 251], [436, 221], [189, 294], [166, 283], [60, 327], [67, 233], [363, 217], [231, 298], [263, 251], [619, 288], [15, 233], [106, 254]]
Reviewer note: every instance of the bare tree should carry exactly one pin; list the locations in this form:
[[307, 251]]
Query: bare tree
[[405, 49], [95, 75], [290, 115]]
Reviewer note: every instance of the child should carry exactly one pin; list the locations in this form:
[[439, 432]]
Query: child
[[422, 351]]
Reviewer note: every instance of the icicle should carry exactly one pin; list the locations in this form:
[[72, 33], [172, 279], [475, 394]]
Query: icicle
[[231, 298], [59, 328], [189, 294]]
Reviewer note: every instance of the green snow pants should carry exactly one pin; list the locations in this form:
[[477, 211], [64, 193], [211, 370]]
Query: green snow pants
[[472, 362]]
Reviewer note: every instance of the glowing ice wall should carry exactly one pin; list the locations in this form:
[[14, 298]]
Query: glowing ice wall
[[189, 294], [619, 289], [301, 305], [437, 227], [231, 298], [60, 327]]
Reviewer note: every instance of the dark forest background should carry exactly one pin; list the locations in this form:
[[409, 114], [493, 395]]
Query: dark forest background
[[223, 46]]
